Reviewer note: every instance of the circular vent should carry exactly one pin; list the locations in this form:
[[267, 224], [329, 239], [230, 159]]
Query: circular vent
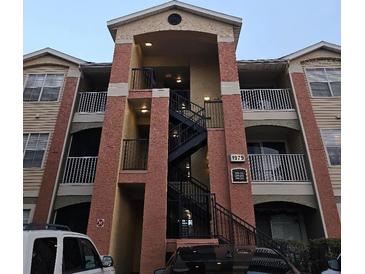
[[174, 19]]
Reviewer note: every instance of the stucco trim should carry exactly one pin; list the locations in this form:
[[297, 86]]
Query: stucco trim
[[322, 44], [54, 52], [118, 89], [174, 5], [230, 88], [161, 92]]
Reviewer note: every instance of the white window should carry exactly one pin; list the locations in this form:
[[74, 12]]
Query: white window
[[42, 87], [26, 216], [332, 142], [34, 147], [324, 82]]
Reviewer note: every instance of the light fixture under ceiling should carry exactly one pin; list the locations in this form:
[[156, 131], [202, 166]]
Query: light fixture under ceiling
[[148, 44], [144, 109]]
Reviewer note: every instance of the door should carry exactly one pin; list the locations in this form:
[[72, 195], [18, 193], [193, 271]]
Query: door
[[80, 256]]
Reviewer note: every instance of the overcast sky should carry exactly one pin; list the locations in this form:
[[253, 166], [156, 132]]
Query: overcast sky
[[271, 28]]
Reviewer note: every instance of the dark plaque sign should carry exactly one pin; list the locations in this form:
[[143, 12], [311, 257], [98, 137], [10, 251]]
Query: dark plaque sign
[[239, 175]]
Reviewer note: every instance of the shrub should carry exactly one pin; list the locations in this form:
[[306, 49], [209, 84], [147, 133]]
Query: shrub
[[311, 256]]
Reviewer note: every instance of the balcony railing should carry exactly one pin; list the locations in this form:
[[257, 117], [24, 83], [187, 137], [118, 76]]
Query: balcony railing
[[278, 168], [91, 102], [143, 78], [135, 154], [214, 114], [80, 170], [266, 99]]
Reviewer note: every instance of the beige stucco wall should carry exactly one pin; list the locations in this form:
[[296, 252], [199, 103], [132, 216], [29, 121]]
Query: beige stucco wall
[[130, 130], [327, 110], [158, 22], [199, 165], [126, 234], [204, 79], [204, 74], [40, 117]]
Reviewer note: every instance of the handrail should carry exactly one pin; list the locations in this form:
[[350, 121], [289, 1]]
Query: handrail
[[135, 154], [183, 135], [278, 167], [266, 99], [80, 170], [143, 78], [91, 102]]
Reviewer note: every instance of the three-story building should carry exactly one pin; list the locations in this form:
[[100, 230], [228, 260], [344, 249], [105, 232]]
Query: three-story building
[[175, 142]]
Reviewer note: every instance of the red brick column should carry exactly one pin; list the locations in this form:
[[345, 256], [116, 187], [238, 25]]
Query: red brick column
[[317, 155], [107, 171], [49, 180], [235, 137], [217, 157], [153, 247]]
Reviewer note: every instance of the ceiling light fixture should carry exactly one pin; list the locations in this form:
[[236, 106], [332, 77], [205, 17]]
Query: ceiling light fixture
[[148, 44], [206, 98], [144, 109]]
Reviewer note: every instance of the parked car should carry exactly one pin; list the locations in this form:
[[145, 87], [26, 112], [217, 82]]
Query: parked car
[[53, 249], [334, 266], [227, 259]]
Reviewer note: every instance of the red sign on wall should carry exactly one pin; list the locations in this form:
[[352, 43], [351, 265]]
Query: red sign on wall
[[100, 222]]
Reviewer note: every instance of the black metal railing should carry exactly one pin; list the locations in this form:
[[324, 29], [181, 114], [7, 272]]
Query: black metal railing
[[135, 154], [182, 105], [143, 78], [214, 114], [189, 216], [181, 134]]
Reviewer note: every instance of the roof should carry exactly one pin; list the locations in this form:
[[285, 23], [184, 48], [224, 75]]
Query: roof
[[319, 45], [235, 21], [53, 52]]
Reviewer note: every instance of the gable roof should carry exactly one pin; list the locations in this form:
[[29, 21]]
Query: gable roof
[[232, 20], [319, 45], [45, 51]]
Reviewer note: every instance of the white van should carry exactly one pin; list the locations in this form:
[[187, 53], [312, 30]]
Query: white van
[[49, 250]]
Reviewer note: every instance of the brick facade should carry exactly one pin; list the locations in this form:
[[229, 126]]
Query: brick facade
[[107, 171], [44, 201], [153, 248], [234, 130], [317, 155]]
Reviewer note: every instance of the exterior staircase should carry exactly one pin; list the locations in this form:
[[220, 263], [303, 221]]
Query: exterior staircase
[[193, 211], [190, 133]]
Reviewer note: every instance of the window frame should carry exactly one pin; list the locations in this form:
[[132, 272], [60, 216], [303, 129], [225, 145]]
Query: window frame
[[34, 240], [31, 208], [41, 92], [328, 82], [45, 151], [81, 251], [325, 147]]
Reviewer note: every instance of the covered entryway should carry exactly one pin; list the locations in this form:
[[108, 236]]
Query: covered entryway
[[74, 216]]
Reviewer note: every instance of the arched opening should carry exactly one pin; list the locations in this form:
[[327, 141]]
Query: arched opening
[[74, 216], [288, 221]]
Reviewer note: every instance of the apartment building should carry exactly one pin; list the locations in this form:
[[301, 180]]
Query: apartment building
[[175, 142]]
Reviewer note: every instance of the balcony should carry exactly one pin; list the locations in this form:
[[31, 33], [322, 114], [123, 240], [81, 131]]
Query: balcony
[[278, 168], [79, 167], [92, 102], [91, 107], [80, 170], [266, 99], [135, 154], [143, 78]]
